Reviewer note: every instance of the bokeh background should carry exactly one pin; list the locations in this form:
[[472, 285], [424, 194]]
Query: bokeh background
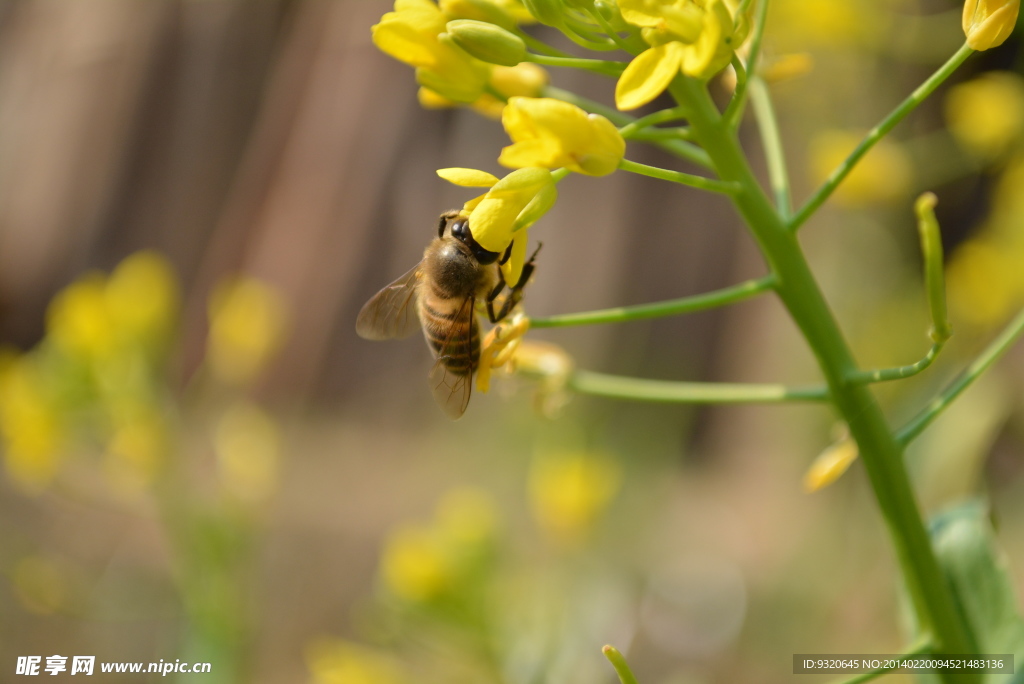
[[205, 463]]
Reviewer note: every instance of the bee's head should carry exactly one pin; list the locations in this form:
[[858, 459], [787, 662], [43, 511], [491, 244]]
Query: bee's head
[[460, 231]]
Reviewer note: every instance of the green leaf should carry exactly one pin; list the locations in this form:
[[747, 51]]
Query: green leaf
[[975, 566]]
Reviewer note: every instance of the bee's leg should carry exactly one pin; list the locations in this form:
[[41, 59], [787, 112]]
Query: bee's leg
[[515, 294], [492, 295]]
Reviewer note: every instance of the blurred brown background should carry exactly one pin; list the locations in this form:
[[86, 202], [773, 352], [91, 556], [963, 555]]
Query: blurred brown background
[[271, 137]]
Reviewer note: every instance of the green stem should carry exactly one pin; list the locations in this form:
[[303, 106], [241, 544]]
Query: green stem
[[876, 134], [624, 44], [886, 374], [672, 307], [619, 663], [598, 66], [999, 346], [699, 182], [924, 647], [734, 112], [539, 45], [664, 391], [660, 116], [679, 148], [881, 453], [771, 139]]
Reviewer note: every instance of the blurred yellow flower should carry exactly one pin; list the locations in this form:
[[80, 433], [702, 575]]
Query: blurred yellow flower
[[985, 282], [883, 175], [414, 564], [986, 114], [39, 584], [830, 465], [988, 23], [30, 423], [833, 24], [335, 661], [142, 297], [422, 562], [569, 491], [247, 445], [505, 212], [247, 325], [78, 320], [553, 366], [550, 133]]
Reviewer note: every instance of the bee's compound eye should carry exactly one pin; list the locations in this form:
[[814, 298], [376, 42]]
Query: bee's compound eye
[[460, 230]]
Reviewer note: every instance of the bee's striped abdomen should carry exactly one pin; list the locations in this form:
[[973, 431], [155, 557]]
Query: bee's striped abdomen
[[453, 335]]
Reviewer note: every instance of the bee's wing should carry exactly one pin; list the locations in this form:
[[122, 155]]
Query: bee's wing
[[391, 312], [451, 378]]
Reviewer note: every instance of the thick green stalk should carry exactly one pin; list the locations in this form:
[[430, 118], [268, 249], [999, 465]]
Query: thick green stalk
[[880, 452]]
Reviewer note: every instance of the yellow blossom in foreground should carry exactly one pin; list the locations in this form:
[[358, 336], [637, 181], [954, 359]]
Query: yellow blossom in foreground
[[335, 661], [503, 215], [883, 175], [247, 324], [695, 37], [830, 465], [414, 565], [552, 365], [569, 491], [142, 298], [985, 282], [31, 424], [988, 23], [78, 320], [986, 114], [411, 34], [551, 134]]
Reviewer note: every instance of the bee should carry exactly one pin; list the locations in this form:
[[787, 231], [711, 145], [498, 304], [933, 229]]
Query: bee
[[443, 290]]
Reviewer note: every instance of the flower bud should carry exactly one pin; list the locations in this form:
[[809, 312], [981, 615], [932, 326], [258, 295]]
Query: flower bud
[[487, 42], [988, 23], [480, 10], [547, 12]]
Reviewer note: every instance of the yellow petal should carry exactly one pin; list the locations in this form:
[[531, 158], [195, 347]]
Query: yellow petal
[[640, 12], [988, 23], [513, 268], [830, 465], [468, 178], [526, 182], [539, 152], [647, 76], [403, 42], [606, 149], [491, 222]]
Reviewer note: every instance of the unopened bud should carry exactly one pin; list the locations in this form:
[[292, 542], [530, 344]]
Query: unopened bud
[[487, 42], [480, 10], [547, 12], [988, 23]]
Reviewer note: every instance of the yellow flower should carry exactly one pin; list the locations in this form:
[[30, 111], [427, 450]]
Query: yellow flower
[[830, 465], [31, 424], [78, 320], [525, 79], [987, 114], [414, 564], [988, 23], [335, 661], [412, 34], [694, 37], [502, 215], [551, 133], [247, 322], [142, 298], [883, 175], [569, 491]]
